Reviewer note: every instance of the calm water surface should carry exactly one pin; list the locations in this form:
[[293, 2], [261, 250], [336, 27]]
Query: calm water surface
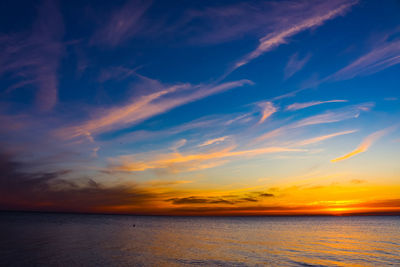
[[29, 239]]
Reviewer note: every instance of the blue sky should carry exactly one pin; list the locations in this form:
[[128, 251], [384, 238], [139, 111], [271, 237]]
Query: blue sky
[[190, 106]]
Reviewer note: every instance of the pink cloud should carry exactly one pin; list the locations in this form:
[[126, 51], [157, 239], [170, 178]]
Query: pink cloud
[[123, 23], [326, 117], [384, 54], [297, 106], [295, 64], [146, 106], [315, 15]]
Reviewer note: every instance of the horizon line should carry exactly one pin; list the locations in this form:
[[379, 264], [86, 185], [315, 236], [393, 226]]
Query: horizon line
[[349, 214]]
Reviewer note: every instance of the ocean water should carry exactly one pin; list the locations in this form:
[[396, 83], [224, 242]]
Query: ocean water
[[38, 239]]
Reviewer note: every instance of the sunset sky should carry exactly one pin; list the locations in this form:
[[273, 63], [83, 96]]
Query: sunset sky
[[200, 107]]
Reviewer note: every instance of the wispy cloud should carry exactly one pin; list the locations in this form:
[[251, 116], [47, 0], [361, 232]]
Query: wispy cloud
[[146, 107], [177, 145], [229, 22], [297, 106], [189, 162], [194, 131], [214, 141], [295, 64], [218, 23], [120, 73], [120, 115], [288, 95], [327, 117], [366, 143], [123, 23], [267, 109], [322, 13], [33, 59], [384, 54], [332, 116], [13, 122], [323, 138]]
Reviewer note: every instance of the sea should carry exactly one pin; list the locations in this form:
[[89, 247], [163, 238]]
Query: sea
[[54, 239]]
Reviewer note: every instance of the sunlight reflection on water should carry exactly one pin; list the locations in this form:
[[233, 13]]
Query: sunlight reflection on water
[[93, 240]]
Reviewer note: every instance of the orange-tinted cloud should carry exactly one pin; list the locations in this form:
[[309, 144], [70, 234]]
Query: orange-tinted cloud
[[146, 107], [267, 109], [322, 138], [51, 192], [177, 161], [213, 141], [366, 143]]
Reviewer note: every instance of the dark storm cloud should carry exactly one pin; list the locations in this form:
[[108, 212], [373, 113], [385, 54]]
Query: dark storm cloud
[[266, 195], [230, 200], [50, 191], [225, 199], [199, 200], [248, 199]]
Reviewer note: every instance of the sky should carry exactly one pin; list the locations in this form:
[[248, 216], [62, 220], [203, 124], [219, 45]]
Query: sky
[[200, 107]]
